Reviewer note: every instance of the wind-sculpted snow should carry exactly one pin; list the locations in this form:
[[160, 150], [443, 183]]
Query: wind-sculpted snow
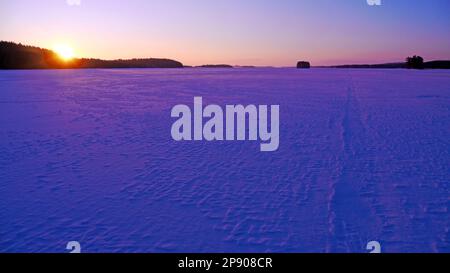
[[87, 156]]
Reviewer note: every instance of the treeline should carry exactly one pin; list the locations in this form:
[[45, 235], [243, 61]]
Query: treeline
[[437, 65], [388, 65], [18, 56], [132, 63], [414, 62], [215, 66]]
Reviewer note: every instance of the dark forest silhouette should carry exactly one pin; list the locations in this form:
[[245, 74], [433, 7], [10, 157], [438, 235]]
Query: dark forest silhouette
[[18, 56], [415, 62], [303, 65]]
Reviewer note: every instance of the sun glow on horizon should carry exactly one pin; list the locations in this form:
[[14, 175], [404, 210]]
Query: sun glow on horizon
[[64, 51]]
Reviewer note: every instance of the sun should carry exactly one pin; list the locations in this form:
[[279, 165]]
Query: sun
[[64, 51]]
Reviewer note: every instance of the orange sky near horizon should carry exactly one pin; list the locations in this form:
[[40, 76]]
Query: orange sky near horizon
[[262, 33]]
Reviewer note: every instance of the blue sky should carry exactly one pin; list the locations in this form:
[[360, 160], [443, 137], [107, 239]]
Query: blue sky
[[250, 32]]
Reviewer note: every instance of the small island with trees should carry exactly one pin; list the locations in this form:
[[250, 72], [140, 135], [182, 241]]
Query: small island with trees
[[303, 65]]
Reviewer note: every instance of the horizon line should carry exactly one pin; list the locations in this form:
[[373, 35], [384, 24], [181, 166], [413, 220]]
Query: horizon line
[[226, 64]]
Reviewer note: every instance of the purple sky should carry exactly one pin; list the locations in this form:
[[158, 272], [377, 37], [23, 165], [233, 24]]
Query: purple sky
[[246, 32]]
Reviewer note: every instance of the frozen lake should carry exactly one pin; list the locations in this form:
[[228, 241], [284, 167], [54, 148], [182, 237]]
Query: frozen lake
[[87, 155]]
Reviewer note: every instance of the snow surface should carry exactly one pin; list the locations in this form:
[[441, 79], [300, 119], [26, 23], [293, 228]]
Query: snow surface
[[87, 155]]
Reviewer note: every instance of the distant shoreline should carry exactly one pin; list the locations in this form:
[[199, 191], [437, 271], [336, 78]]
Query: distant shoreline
[[15, 56], [18, 56], [437, 64], [210, 68]]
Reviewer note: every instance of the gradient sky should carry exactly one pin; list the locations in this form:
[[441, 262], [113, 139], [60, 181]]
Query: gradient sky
[[245, 32]]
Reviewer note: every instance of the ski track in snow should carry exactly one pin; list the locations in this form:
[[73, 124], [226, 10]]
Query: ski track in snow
[[87, 155]]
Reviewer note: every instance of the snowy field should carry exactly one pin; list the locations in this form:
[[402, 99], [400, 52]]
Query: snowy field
[[87, 156]]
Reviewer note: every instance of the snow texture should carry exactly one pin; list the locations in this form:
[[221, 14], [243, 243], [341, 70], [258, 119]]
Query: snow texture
[[87, 156]]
